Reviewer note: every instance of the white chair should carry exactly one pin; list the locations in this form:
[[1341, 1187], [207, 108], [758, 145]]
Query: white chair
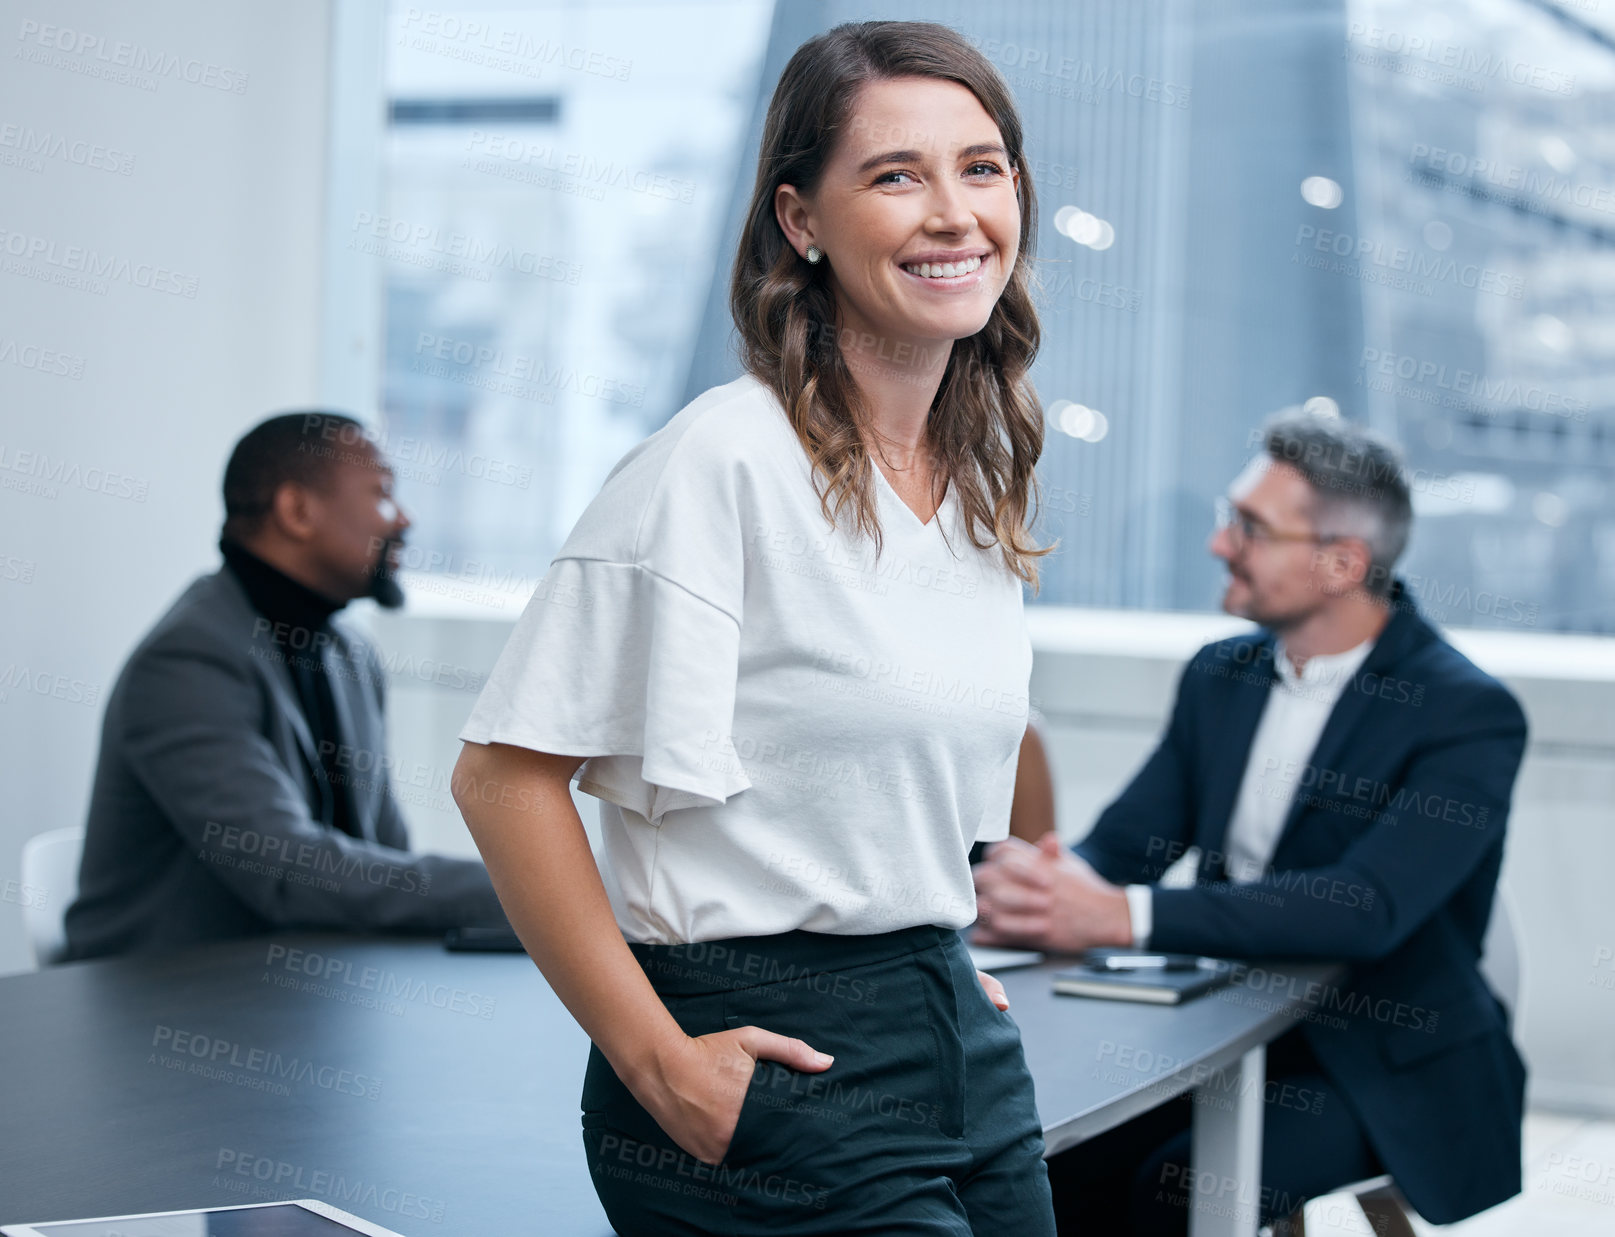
[[50, 880], [1383, 1205]]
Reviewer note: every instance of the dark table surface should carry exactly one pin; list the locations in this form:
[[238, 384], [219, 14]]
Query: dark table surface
[[430, 1092]]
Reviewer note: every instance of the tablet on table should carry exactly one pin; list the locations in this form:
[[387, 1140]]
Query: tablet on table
[[303, 1217]]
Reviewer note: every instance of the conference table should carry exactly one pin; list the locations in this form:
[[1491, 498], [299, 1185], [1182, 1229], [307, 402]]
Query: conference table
[[437, 1093]]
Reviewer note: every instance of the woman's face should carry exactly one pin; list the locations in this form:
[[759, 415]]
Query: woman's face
[[919, 183]]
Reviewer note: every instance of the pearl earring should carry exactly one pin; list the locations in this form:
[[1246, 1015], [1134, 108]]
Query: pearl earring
[[814, 253]]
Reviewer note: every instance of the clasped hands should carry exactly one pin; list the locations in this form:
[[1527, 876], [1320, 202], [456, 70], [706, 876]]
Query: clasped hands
[[1045, 897]]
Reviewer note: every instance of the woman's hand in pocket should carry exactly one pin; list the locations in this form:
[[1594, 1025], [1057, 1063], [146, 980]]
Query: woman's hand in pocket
[[697, 1094], [994, 990]]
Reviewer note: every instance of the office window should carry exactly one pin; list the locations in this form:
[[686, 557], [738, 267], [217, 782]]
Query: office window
[[1401, 212], [556, 176], [1487, 232]]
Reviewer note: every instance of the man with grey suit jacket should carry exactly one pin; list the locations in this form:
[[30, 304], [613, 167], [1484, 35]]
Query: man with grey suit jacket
[[228, 797]]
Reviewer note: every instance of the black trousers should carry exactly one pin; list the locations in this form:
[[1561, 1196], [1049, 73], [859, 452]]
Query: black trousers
[[925, 1123], [1136, 1179]]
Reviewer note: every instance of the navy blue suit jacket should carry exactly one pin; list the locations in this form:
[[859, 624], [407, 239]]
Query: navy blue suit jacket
[[1388, 861]]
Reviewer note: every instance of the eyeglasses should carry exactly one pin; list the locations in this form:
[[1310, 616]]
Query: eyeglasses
[[1243, 529]]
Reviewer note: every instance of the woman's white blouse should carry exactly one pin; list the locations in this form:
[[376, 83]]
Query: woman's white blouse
[[784, 732]]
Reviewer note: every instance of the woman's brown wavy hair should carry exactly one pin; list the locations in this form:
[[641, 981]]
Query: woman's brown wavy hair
[[986, 425]]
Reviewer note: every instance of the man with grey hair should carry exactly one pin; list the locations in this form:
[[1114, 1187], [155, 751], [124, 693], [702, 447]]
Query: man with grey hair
[[1357, 488], [1341, 778]]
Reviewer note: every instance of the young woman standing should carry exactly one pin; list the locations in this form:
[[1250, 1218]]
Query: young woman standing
[[785, 647]]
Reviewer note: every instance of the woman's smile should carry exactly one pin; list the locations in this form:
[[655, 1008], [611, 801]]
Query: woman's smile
[[941, 273]]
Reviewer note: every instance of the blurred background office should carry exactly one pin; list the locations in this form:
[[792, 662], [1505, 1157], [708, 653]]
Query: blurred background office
[[498, 234]]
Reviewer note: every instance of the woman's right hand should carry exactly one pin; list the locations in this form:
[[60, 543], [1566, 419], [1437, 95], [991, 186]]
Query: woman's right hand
[[697, 1093]]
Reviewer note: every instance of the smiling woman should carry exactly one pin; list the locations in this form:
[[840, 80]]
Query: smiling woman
[[785, 646], [915, 329]]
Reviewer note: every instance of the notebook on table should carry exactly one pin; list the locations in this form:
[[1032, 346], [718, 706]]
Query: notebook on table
[[1131, 975]]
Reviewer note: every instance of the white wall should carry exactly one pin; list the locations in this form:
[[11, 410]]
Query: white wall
[[225, 188]]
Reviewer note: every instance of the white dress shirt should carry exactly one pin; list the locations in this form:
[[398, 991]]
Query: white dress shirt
[[1297, 709]]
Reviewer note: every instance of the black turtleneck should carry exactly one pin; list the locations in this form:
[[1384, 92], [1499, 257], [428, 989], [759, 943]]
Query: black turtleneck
[[300, 615]]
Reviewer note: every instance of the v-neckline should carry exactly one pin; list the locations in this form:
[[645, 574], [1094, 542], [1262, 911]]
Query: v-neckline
[[947, 495]]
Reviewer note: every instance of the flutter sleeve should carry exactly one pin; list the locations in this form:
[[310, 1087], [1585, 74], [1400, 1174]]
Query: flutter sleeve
[[629, 651]]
